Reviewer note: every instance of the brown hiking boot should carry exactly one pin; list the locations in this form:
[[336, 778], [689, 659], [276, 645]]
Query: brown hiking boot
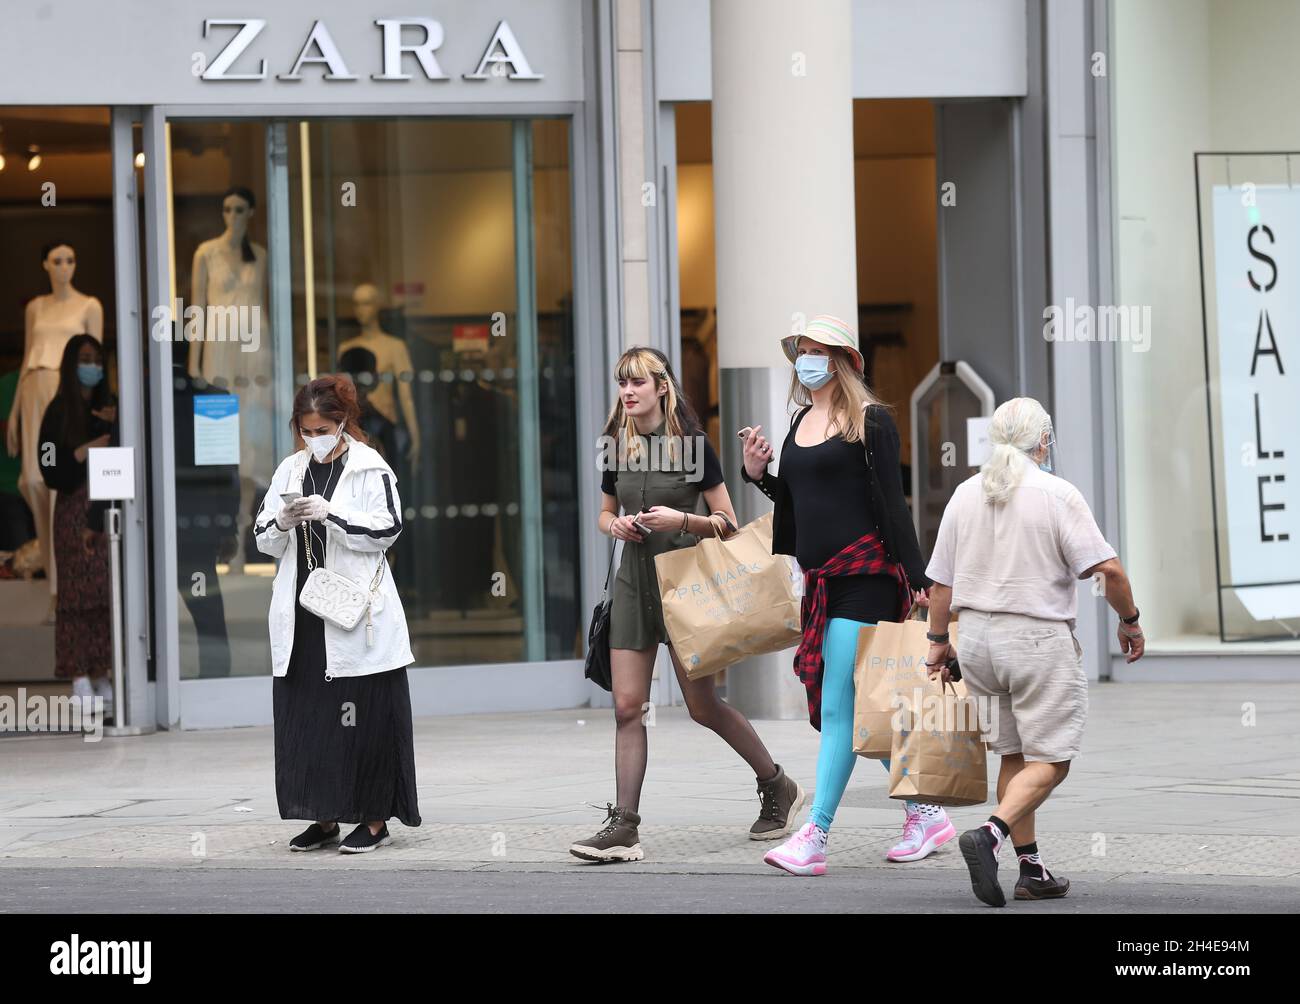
[[781, 800], [618, 841]]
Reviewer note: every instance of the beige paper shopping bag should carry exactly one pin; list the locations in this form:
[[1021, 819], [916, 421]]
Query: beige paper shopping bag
[[725, 600], [889, 661], [937, 754]]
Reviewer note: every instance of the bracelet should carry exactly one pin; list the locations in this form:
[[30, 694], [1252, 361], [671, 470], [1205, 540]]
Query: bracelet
[[938, 639], [685, 521], [1134, 619]]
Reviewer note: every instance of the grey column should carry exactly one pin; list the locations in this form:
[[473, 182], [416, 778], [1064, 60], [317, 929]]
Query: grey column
[[1084, 432], [784, 231]]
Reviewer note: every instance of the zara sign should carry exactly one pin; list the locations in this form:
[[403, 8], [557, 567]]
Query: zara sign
[[239, 60]]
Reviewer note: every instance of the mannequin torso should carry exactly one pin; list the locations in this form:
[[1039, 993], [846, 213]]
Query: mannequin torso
[[53, 319]]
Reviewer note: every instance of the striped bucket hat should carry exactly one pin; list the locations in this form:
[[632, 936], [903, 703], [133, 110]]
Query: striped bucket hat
[[827, 330]]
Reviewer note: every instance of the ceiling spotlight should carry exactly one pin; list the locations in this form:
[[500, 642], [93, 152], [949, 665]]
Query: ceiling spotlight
[[35, 160], [2, 161], [139, 159]]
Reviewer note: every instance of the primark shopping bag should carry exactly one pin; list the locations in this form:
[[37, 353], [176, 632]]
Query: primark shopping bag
[[937, 755], [725, 600], [889, 662]]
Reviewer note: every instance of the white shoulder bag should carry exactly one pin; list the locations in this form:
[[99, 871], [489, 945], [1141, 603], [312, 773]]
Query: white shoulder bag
[[336, 598]]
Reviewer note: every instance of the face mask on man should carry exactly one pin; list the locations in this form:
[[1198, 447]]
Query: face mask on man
[[813, 371], [90, 374], [321, 446]]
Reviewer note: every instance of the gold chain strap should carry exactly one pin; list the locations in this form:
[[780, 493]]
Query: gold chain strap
[[311, 561]]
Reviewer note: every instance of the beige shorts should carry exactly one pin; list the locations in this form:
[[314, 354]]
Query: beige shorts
[[1034, 669]]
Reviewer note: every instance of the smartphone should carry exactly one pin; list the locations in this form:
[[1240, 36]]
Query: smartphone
[[641, 528], [954, 669], [744, 433], [288, 498]]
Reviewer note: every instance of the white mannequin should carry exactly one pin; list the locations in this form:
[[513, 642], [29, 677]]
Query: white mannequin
[[221, 276], [392, 357], [50, 321]]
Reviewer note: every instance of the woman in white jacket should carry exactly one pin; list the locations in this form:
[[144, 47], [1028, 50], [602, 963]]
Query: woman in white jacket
[[344, 752]]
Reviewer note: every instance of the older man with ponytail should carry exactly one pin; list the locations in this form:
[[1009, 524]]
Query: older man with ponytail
[[1013, 541]]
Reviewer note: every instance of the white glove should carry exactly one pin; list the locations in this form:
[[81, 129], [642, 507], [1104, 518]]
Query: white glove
[[310, 508], [286, 519]]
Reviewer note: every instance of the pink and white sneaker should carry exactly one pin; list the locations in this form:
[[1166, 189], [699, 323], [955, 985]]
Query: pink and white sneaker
[[803, 854], [923, 834]]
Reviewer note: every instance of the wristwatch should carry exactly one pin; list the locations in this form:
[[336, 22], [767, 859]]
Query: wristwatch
[[938, 639], [1131, 620]]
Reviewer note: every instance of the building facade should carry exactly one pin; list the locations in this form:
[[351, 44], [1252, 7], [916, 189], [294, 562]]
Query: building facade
[[476, 210]]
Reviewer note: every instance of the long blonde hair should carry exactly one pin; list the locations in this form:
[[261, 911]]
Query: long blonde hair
[[849, 399], [1017, 430], [644, 363]]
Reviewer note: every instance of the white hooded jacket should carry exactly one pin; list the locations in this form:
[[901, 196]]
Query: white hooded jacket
[[365, 518]]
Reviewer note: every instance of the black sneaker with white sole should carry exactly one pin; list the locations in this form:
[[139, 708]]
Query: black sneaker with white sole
[[977, 848], [314, 837], [362, 841]]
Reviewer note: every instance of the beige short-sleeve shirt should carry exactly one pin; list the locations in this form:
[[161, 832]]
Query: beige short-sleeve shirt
[[1024, 556]]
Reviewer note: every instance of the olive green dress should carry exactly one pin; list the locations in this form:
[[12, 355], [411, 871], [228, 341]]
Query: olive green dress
[[636, 618]]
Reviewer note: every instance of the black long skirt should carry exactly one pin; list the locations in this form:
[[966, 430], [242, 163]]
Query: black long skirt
[[343, 748]]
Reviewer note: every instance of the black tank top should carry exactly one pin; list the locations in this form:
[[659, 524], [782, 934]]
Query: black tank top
[[829, 487]]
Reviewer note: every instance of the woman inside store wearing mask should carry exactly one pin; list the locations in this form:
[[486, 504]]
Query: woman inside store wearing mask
[[344, 751], [82, 416], [840, 509]]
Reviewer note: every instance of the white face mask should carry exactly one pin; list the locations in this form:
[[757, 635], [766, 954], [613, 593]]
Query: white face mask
[[321, 446]]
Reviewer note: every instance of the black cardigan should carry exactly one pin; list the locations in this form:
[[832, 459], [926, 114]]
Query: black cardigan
[[64, 472], [886, 501]]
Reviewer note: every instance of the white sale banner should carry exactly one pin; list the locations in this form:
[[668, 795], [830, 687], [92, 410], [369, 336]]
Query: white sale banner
[[1257, 289]]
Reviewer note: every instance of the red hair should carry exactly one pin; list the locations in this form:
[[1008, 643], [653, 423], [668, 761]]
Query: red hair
[[333, 397]]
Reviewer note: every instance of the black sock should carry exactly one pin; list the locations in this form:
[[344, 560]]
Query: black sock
[[1002, 827], [1031, 862]]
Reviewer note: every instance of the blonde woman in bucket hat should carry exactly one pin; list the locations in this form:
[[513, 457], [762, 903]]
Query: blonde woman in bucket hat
[[840, 509]]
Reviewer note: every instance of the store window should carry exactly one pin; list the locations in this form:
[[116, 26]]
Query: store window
[[431, 260], [1207, 317], [56, 281]]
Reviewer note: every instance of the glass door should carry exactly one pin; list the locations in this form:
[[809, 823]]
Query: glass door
[[431, 260]]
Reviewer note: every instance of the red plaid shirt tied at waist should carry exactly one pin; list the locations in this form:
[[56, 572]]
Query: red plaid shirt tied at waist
[[865, 556]]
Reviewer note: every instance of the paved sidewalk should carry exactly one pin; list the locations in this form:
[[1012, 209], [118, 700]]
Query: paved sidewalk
[[1171, 785]]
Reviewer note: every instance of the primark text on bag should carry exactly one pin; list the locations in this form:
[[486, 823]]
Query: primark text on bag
[[726, 600]]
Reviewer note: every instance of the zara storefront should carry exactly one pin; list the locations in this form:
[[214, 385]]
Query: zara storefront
[[473, 210], [408, 198]]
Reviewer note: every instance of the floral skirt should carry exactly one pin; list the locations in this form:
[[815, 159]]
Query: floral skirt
[[82, 630]]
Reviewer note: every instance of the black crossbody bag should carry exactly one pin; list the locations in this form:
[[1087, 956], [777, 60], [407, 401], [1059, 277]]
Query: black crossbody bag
[[598, 668]]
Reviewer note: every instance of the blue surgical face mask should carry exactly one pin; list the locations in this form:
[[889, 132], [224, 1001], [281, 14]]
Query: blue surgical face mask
[[90, 374], [812, 371]]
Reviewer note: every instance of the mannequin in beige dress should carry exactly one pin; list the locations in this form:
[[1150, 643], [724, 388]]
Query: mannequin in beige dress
[[392, 364], [230, 271], [50, 321]]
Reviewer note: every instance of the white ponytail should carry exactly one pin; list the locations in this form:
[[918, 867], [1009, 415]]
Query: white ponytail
[[1017, 430]]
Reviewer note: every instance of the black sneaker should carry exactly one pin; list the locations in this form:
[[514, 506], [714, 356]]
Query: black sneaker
[[977, 848], [314, 837], [1052, 887], [362, 841]]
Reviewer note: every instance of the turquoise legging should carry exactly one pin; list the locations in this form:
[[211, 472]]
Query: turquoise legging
[[835, 759]]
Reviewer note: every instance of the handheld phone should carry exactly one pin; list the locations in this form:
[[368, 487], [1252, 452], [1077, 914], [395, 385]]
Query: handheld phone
[[641, 528], [954, 669], [743, 433], [288, 498]]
